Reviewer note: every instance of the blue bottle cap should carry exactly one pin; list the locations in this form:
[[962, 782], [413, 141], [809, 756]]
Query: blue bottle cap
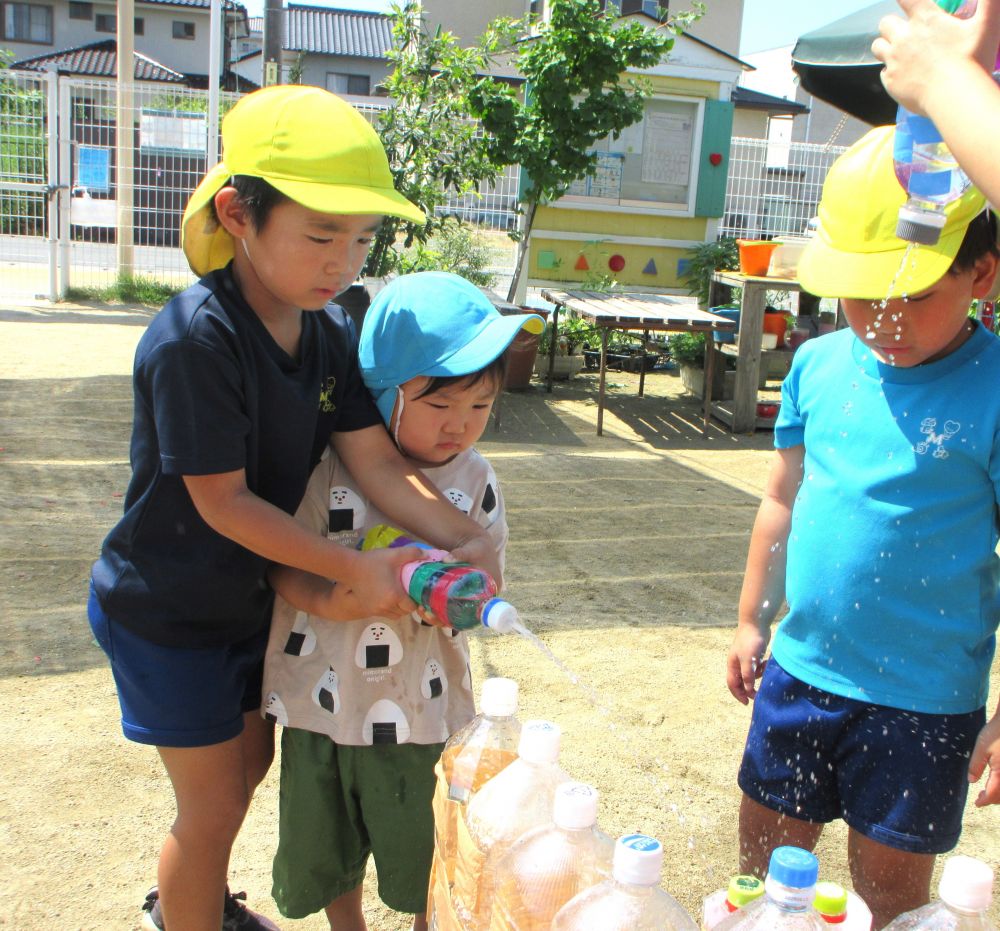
[[792, 866]]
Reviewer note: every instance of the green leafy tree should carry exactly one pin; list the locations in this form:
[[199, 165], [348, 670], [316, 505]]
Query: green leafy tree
[[435, 149], [577, 93]]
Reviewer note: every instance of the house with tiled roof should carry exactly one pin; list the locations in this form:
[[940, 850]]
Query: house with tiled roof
[[100, 60], [172, 35]]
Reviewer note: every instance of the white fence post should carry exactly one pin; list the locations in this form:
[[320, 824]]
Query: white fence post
[[52, 179], [63, 119]]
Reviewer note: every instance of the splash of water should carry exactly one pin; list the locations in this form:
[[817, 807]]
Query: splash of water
[[881, 306]]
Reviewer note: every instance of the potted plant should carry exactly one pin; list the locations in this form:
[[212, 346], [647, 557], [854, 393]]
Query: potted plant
[[703, 261], [688, 351], [573, 333]]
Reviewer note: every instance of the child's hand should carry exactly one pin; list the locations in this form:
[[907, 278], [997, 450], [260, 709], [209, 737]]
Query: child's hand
[[376, 585], [480, 551], [925, 48], [987, 753], [745, 664]]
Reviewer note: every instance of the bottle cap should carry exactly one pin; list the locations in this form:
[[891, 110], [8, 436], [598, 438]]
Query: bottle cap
[[638, 860], [539, 742], [743, 890], [794, 867], [966, 883], [499, 615], [575, 805], [919, 226], [831, 899], [498, 697]]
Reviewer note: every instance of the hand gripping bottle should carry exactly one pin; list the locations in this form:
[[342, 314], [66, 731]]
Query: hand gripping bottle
[[631, 900], [741, 891], [925, 166], [841, 908], [515, 800], [549, 865], [459, 595], [965, 891], [786, 904]]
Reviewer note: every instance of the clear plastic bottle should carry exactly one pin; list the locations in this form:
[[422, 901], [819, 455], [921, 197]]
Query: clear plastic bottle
[[841, 908], [549, 865], [924, 165], [741, 891], [631, 900], [459, 595], [517, 799], [789, 890], [965, 892]]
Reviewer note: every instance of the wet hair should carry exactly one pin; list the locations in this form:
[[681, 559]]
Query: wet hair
[[980, 239], [257, 197], [494, 373]]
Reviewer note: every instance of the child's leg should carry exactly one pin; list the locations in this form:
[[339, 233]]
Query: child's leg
[[212, 786], [344, 914], [762, 829], [890, 881]]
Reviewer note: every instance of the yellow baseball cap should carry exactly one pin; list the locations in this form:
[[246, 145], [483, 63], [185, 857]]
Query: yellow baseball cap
[[308, 144], [856, 252]]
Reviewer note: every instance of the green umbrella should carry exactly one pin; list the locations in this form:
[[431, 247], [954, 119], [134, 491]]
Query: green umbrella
[[835, 63]]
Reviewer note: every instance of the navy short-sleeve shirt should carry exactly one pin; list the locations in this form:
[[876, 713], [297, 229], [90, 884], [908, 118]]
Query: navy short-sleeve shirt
[[215, 393]]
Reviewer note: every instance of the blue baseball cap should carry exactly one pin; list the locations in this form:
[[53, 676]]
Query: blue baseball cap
[[431, 324]]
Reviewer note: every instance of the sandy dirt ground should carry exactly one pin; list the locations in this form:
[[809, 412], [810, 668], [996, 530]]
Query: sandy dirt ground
[[625, 559]]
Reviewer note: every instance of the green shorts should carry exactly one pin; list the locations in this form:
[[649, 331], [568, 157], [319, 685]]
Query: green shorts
[[339, 804]]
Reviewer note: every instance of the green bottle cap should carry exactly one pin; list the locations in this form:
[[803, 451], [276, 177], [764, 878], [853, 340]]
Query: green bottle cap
[[743, 890], [831, 899]]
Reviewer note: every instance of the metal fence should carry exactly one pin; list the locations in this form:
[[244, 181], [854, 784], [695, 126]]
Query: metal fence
[[59, 183], [774, 189]]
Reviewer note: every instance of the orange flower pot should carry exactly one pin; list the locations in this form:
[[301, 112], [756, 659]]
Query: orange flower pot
[[755, 255]]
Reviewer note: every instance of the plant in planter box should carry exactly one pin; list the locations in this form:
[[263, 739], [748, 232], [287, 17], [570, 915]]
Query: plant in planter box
[[573, 334], [687, 348], [704, 260]]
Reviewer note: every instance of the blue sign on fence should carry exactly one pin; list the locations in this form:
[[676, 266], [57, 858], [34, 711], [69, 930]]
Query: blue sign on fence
[[94, 169]]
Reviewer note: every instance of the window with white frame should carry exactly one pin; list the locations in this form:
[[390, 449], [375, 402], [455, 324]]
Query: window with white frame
[[650, 164], [358, 85], [183, 30], [27, 22]]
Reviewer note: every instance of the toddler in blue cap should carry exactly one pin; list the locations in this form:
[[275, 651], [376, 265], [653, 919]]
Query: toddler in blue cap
[[367, 703]]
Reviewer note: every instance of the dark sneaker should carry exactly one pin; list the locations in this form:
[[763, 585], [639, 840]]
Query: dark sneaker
[[235, 915]]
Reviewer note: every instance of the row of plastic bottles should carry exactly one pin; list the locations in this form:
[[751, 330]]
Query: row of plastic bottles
[[517, 848]]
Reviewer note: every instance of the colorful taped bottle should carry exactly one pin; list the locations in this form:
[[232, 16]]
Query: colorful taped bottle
[[459, 595], [631, 900]]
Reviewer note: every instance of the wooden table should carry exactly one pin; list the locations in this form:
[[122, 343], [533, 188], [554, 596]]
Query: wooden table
[[742, 418], [636, 311]]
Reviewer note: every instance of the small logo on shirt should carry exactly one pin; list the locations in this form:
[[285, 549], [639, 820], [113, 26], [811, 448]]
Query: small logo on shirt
[[935, 441], [326, 405]]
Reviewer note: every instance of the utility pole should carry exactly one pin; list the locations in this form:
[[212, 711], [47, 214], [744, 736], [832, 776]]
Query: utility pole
[[214, 58], [273, 42], [125, 137]]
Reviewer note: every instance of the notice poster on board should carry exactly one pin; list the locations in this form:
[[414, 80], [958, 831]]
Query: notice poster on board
[[666, 149], [606, 181]]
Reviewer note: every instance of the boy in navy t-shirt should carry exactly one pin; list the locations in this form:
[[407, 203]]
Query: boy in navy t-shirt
[[240, 382]]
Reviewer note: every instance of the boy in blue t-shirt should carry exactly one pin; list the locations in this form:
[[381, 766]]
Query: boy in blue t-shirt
[[240, 383], [878, 527]]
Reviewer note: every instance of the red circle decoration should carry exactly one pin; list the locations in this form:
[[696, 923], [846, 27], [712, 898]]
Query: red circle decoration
[[715, 158], [616, 263]]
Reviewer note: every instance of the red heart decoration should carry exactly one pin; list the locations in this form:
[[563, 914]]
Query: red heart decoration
[[715, 158]]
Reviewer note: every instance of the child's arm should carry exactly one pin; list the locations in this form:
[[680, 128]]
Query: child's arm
[[231, 509], [315, 595], [764, 579], [404, 494], [942, 66], [987, 753]]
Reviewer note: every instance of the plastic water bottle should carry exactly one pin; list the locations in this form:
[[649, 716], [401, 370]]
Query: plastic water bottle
[[549, 865], [517, 799], [842, 908], [472, 756], [631, 900], [965, 891], [741, 891], [925, 166], [459, 595], [789, 890]]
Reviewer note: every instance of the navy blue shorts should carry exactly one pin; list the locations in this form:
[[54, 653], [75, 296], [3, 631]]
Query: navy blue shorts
[[176, 696], [898, 777]]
